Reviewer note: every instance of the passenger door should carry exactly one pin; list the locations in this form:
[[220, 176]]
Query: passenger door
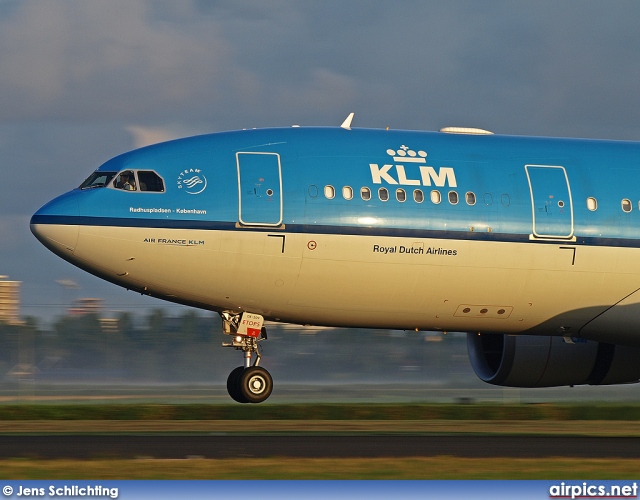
[[552, 207], [259, 189]]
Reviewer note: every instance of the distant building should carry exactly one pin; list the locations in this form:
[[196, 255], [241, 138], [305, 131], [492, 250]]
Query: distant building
[[9, 300], [89, 305], [86, 306]]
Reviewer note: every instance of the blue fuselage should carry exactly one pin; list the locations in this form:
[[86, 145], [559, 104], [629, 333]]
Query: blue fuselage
[[488, 171]]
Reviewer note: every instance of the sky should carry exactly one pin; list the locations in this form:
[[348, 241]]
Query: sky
[[84, 80]]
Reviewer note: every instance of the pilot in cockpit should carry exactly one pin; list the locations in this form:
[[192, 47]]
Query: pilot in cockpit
[[125, 181]]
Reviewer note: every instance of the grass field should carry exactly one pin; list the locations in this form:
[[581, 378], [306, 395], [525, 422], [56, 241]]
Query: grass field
[[324, 411], [538, 419], [288, 468], [476, 427]]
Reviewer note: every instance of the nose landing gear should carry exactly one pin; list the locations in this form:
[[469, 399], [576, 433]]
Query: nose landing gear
[[249, 383]]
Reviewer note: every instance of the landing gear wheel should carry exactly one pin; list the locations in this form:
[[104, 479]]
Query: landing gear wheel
[[233, 385], [248, 383], [255, 384]]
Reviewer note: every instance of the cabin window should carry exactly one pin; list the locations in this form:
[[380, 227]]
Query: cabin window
[[313, 190], [626, 205], [401, 195], [418, 196], [97, 179], [347, 192], [150, 181], [453, 197], [436, 197], [365, 193], [471, 198], [383, 194], [505, 200], [592, 204], [126, 181], [488, 199], [329, 192]]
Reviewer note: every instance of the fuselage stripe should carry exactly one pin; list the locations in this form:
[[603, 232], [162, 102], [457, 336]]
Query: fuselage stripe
[[328, 229]]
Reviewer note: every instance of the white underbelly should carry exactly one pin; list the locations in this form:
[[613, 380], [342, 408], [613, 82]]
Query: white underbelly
[[366, 281]]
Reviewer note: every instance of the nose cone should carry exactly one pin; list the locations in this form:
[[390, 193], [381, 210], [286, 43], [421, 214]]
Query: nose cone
[[56, 224]]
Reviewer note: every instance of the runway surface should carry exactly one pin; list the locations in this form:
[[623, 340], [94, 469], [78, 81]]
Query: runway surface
[[312, 446]]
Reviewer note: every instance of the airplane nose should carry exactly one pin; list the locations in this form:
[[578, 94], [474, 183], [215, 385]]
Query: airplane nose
[[54, 224]]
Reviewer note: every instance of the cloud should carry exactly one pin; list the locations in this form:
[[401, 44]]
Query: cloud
[[12, 233], [509, 65], [109, 59], [145, 136]]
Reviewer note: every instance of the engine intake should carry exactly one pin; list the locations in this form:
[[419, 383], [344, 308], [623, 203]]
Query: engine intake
[[537, 361]]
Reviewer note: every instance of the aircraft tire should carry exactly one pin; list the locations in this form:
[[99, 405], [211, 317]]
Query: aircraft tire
[[256, 384], [233, 385]]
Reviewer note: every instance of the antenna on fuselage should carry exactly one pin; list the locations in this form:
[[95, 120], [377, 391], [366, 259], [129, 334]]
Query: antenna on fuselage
[[347, 123]]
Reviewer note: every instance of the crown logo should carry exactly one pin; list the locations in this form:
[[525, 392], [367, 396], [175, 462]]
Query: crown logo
[[406, 155]]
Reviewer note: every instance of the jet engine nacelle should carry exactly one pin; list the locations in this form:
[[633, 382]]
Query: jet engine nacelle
[[537, 361]]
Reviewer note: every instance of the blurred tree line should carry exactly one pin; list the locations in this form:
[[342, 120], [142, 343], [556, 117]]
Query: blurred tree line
[[165, 349]]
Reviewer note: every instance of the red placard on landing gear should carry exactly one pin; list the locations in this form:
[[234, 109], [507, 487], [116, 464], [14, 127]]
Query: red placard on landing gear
[[250, 325]]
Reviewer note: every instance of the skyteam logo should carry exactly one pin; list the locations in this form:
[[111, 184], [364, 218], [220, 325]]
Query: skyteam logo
[[424, 175], [192, 181]]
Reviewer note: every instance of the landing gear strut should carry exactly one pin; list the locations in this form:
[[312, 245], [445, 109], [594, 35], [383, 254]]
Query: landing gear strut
[[249, 383]]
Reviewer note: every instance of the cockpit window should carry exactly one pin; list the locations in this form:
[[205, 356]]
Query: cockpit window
[[126, 180], [150, 181], [138, 180], [97, 179]]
